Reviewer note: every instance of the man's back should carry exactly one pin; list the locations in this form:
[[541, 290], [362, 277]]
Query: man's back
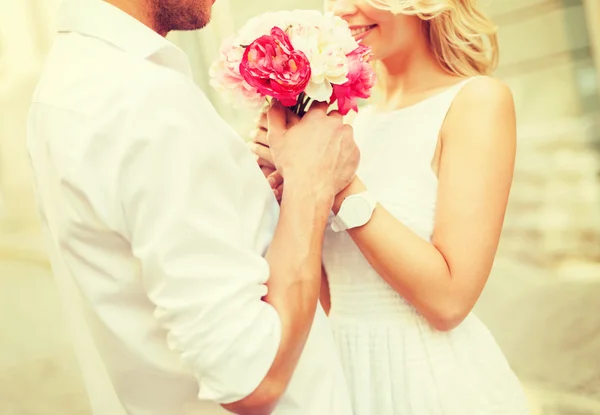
[[102, 100]]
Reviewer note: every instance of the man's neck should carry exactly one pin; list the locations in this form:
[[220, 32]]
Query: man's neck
[[139, 10]]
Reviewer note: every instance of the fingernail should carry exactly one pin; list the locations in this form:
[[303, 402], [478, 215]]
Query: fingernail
[[271, 181]]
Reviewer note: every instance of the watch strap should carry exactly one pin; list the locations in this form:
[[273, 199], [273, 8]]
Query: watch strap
[[338, 224]]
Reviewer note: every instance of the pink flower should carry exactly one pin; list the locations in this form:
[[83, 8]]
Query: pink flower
[[272, 66], [361, 79], [226, 77]]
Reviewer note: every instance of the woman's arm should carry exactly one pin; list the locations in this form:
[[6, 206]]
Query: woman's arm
[[443, 279]]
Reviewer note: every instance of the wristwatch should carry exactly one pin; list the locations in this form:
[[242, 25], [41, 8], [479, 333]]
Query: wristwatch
[[356, 210]]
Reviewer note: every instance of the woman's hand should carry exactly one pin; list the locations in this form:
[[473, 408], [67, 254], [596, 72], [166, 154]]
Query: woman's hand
[[260, 147], [275, 180]]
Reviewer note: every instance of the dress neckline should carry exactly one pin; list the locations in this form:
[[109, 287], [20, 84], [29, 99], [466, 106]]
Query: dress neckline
[[417, 104]]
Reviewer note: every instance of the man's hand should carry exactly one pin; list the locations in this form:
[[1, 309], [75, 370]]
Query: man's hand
[[318, 150]]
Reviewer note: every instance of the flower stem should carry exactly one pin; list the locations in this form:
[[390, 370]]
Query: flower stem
[[296, 108], [301, 105]]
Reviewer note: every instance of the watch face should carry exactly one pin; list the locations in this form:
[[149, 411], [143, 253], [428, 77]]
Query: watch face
[[359, 211]]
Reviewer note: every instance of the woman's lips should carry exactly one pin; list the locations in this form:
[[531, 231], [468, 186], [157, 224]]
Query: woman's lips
[[360, 32]]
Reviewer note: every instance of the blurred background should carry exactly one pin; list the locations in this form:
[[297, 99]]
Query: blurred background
[[542, 300]]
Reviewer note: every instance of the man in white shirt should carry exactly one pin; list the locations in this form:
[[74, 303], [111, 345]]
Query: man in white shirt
[[164, 235]]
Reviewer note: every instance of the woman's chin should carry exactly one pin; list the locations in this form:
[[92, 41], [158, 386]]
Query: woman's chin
[[371, 42], [375, 55]]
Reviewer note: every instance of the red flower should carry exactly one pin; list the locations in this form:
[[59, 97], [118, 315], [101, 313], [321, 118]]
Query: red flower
[[361, 79], [271, 65]]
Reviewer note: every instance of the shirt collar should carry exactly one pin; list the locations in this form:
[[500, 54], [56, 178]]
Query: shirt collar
[[101, 20]]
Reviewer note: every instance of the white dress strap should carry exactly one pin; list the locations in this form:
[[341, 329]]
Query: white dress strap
[[447, 97], [436, 112]]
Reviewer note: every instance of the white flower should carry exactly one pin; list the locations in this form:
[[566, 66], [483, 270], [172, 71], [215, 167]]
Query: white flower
[[325, 40], [341, 33]]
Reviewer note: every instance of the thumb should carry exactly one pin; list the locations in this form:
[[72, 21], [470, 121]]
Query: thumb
[[275, 179]]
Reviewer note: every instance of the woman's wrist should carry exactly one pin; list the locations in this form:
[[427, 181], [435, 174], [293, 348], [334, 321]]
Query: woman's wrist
[[355, 186]]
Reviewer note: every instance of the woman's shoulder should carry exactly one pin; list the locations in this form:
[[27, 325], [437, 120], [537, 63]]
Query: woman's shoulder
[[484, 91], [480, 100], [482, 103]]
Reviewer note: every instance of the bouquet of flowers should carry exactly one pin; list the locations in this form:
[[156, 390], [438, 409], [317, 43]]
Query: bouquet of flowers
[[295, 57]]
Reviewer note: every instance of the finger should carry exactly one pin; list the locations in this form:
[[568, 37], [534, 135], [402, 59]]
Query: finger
[[275, 179], [278, 193], [265, 163], [253, 133], [276, 120], [318, 107], [348, 130], [261, 151], [260, 137], [335, 114], [266, 171], [292, 118], [262, 122]]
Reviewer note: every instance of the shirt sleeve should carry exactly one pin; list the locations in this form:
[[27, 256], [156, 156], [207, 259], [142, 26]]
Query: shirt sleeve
[[181, 196]]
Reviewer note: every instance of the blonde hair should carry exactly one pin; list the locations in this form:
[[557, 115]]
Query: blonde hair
[[462, 38]]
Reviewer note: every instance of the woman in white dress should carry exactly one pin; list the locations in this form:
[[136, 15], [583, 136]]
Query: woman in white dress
[[437, 154]]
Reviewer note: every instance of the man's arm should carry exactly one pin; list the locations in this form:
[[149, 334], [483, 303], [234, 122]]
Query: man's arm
[[180, 191], [295, 262]]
